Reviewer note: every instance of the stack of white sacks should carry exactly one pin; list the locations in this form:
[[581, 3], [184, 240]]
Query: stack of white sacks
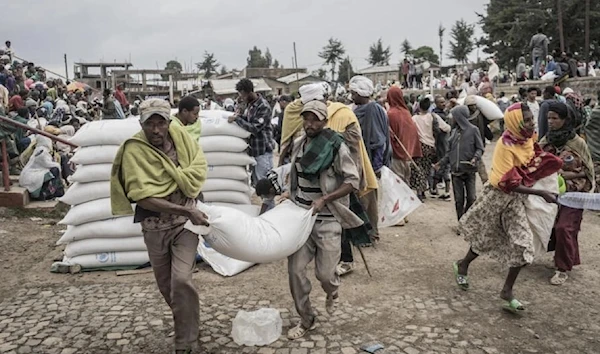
[[94, 238]]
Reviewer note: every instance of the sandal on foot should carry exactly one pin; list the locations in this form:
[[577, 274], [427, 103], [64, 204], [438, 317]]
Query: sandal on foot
[[559, 278], [461, 280], [300, 331], [514, 306]]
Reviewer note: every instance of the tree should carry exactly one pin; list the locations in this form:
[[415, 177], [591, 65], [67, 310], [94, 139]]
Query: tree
[[509, 24], [209, 65], [276, 64], [332, 53], [268, 58], [378, 55], [462, 43], [425, 53], [321, 73], [172, 65], [441, 31], [256, 59], [346, 71], [223, 70], [406, 47]]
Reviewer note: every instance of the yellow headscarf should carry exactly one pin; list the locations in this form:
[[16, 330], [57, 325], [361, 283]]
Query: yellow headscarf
[[292, 122], [515, 148]]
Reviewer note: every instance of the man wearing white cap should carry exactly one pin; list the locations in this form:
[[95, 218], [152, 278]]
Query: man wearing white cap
[[162, 170], [322, 176], [376, 135]]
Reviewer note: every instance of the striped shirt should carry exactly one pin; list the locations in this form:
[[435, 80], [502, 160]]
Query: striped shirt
[[309, 191]]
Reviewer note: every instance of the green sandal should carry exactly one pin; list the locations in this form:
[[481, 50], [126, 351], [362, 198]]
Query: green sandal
[[461, 280], [514, 306]]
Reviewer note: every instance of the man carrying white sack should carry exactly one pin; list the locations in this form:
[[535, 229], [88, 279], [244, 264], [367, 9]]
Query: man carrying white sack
[[162, 169], [322, 176]]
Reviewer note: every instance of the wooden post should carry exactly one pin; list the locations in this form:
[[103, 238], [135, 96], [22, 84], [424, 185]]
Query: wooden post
[[5, 168], [560, 25], [66, 69], [587, 37]]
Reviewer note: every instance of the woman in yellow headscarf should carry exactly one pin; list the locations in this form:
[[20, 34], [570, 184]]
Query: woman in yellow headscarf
[[497, 224]]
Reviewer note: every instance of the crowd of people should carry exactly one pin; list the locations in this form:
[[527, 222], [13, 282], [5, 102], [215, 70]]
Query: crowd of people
[[331, 154]]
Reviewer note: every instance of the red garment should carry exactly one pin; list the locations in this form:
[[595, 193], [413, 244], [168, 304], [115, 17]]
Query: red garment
[[542, 165], [402, 126], [15, 103], [120, 96], [564, 238]]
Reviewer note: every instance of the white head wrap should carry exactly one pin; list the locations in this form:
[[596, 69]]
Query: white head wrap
[[362, 86], [311, 92]]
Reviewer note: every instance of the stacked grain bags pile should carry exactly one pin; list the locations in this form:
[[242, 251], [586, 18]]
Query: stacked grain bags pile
[[225, 148], [227, 184], [94, 238]]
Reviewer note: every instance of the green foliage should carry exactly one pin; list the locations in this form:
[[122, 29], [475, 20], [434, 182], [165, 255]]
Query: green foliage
[[462, 43], [378, 55], [425, 53], [346, 71], [406, 47], [172, 65], [509, 24], [332, 53], [209, 65]]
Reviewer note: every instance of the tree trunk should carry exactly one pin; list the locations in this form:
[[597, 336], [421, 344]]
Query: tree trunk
[[560, 25]]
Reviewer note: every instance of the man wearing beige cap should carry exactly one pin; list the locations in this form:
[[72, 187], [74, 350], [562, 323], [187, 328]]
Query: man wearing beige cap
[[162, 170], [322, 176]]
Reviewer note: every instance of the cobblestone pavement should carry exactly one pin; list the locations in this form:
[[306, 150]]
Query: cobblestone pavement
[[134, 319]]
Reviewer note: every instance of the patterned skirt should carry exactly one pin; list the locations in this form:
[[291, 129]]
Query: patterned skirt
[[418, 177], [497, 226]]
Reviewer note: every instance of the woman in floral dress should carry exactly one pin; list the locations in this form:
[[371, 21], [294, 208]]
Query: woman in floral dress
[[497, 224]]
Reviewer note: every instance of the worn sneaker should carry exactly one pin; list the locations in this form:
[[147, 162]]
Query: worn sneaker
[[331, 303], [445, 197], [300, 331], [344, 268]]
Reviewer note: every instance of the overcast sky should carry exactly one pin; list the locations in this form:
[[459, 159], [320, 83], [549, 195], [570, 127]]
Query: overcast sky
[[151, 32]]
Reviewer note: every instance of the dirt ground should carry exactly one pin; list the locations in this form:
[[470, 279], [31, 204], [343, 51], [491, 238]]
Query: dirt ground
[[415, 259]]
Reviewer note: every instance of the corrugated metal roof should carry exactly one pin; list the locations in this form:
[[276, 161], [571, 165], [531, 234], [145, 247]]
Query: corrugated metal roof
[[379, 69], [288, 79], [227, 87]]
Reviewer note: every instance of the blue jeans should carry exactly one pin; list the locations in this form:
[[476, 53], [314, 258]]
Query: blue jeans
[[264, 164]]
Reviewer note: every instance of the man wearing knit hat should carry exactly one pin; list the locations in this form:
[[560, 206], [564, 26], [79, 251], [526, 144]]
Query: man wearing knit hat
[[322, 176]]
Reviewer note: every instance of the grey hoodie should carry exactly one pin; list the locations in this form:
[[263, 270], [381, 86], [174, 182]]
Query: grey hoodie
[[465, 143]]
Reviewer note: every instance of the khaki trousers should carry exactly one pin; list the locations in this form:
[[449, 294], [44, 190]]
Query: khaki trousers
[[173, 257], [369, 203], [324, 245]]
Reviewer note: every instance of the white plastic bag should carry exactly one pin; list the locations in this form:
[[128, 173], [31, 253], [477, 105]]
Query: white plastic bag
[[95, 210], [80, 193], [232, 197], [218, 184], [217, 124], [229, 159], [257, 328], [228, 172], [106, 132], [114, 228], [110, 259], [223, 143], [541, 215], [396, 200], [92, 173], [99, 245], [91, 155], [272, 236]]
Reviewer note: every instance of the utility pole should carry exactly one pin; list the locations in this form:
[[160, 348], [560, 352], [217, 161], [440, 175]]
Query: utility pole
[[560, 25], [66, 69], [587, 37], [296, 66]]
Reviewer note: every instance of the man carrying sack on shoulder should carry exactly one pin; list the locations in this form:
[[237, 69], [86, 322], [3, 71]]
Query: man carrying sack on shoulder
[[162, 170], [322, 176]]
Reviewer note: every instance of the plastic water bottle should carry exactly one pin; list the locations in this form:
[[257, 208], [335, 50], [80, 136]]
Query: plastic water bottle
[[578, 200], [257, 328]]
